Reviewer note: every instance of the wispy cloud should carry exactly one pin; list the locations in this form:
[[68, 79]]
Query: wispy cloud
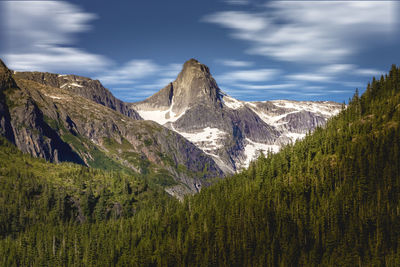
[[242, 22], [138, 79], [329, 73], [237, 2], [235, 63], [370, 72], [265, 86], [337, 68], [135, 71], [130, 72], [257, 75], [39, 35], [308, 31], [350, 69], [311, 77]]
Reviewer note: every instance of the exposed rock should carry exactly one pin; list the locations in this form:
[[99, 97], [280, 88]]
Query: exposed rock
[[6, 82], [230, 130], [85, 87], [33, 135]]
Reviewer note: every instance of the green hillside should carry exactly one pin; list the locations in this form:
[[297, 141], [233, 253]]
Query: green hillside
[[33, 191], [332, 199]]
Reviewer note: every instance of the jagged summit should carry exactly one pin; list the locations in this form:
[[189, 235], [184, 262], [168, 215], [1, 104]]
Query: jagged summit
[[194, 85], [193, 66]]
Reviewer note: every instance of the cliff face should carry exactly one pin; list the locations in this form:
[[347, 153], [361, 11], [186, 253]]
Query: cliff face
[[6, 82], [82, 86], [231, 131], [60, 124]]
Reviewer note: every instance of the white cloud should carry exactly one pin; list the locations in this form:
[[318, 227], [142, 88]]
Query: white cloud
[[39, 36], [265, 86], [349, 69], [258, 75], [237, 20], [130, 72], [135, 71], [309, 31], [313, 87], [171, 70], [237, 2], [337, 91], [337, 68], [56, 58], [235, 63], [369, 72], [310, 77]]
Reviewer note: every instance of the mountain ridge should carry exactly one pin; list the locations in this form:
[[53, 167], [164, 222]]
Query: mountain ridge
[[229, 130], [83, 86], [60, 125]]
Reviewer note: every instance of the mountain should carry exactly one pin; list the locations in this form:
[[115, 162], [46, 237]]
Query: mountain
[[330, 199], [82, 122], [231, 131], [82, 86]]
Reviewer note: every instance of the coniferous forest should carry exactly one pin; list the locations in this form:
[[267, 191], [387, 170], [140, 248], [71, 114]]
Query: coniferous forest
[[332, 199]]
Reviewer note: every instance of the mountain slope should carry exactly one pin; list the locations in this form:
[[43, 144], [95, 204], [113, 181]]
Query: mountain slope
[[59, 125], [33, 191], [331, 199], [231, 131], [85, 87]]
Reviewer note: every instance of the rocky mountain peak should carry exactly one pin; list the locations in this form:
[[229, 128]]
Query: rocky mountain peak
[[193, 86], [194, 76], [194, 67]]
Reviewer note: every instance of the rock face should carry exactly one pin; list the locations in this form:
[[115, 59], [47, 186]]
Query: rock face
[[59, 124], [85, 87], [6, 82], [233, 132]]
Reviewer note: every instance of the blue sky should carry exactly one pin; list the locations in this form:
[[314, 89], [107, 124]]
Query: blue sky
[[256, 50]]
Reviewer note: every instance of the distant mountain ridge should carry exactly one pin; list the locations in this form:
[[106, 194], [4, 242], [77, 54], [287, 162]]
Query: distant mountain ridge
[[231, 131]]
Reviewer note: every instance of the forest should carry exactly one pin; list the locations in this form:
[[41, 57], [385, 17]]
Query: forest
[[332, 199]]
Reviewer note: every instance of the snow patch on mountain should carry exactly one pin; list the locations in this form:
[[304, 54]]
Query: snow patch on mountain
[[71, 84], [207, 139], [75, 84], [324, 108], [253, 150], [268, 118], [295, 136], [232, 103], [160, 116], [273, 113]]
